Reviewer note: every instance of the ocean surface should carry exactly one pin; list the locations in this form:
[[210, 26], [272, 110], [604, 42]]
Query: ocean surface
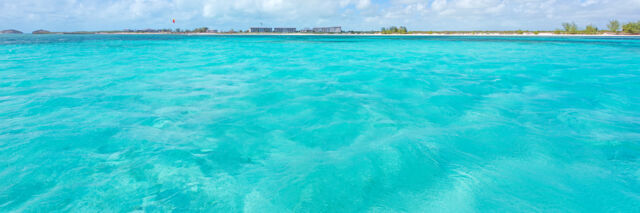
[[157, 123]]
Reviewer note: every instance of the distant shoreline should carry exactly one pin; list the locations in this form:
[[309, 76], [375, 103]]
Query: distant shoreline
[[379, 34], [527, 34]]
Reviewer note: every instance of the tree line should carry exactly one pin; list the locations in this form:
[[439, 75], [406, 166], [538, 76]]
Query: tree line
[[614, 26], [394, 30], [196, 30]]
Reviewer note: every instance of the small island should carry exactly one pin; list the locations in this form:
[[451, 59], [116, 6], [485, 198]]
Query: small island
[[41, 32], [10, 31]]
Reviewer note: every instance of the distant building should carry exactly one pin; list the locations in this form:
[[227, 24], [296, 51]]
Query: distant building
[[306, 30], [212, 31], [261, 29], [284, 30], [327, 29]]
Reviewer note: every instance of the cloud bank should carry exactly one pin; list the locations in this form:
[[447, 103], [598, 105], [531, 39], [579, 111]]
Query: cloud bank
[[71, 15]]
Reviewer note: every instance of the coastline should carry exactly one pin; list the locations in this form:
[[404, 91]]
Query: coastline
[[379, 34], [470, 34]]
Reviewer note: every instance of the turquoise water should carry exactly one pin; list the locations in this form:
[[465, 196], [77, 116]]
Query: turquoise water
[[108, 123]]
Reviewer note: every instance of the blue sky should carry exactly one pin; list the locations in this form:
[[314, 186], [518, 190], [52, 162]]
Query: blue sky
[[76, 15]]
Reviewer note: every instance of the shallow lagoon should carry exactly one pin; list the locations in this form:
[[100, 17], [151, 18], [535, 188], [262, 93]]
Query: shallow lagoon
[[319, 123]]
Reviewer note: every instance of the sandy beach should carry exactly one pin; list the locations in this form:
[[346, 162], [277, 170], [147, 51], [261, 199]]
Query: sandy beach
[[379, 34]]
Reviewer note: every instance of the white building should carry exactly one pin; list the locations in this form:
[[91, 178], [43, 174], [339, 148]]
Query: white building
[[284, 30], [261, 29], [327, 29]]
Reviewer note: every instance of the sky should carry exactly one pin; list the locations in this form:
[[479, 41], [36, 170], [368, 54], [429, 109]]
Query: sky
[[90, 15]]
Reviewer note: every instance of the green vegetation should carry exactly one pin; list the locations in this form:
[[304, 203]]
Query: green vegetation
[[567, 28], [570, 28], [614, 26], [631, 27], [591, 29], [201, 30], [394, 30]]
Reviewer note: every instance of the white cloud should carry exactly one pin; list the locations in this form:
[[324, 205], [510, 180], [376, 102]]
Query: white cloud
[[353, 14], [363, 4], [439, 4]]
